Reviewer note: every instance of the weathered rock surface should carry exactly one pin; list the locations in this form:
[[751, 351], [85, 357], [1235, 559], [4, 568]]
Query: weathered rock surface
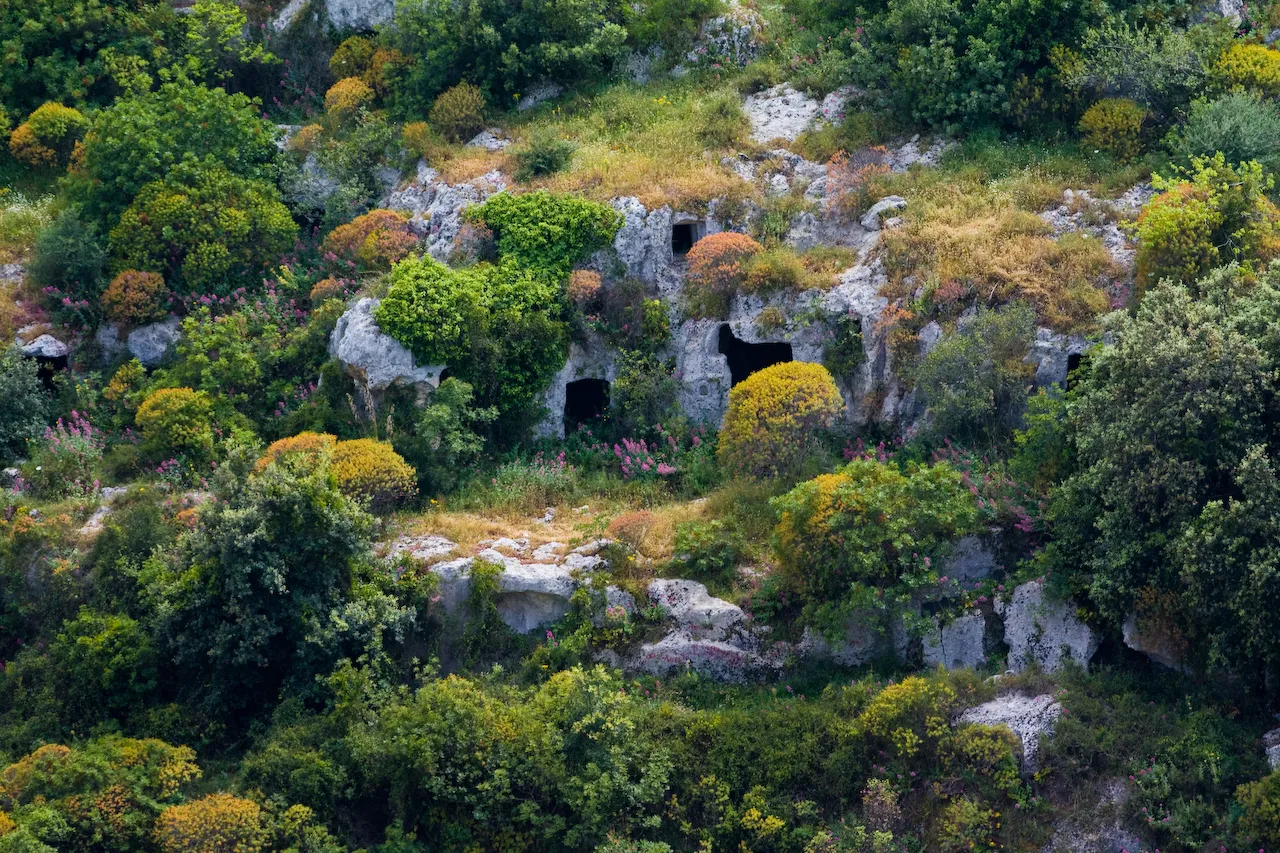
[[871, 219], [1100, 829], [695, 611], [865, 639], [107, 496], [731, 39], [311, 187], [1028, 717], [1080, 212], [780, 113], [909, 154], [970, 560], [591, 359], [1159, 647], [490, 140], [46, 348], [374, 358], [435, 206], [1271, 743], [1052, 352], [539, 94], [1045, 633], [361, 15], [959, 644], [150, 344]]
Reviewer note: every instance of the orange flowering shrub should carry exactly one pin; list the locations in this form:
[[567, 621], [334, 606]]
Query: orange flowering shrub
[[384, 59], [718, 267], [584, 286], [328, 288], [218, 823], [775, 417], [372, 471], [135, 298], [346, 98], [375, 240], [633, 528], [852, 177], [311, 446], [306, 138]]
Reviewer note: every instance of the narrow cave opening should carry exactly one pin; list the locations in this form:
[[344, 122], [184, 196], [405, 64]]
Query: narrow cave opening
[[585, 400], [1074, 362], [683, 236], [745, 358]]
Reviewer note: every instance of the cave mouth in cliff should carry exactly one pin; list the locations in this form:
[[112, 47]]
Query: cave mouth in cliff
[[585, 401], [1074, 362], [745, 359], [683, 236]]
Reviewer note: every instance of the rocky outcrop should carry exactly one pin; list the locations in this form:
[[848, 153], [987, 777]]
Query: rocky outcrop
[[1159, 646], [150, 344], [780, 113], [1043, 632], [1052, 353], [959, 644], [490, 140], [695, 611], [375, 359], [1081, 213], [435, 206], [866, 638], [1028, 717], [591, 359], [729, 39], [539, 94], [970, 560], [871, 220], [362, 15], [1271, 743], [46, 348], [909, 154], [310, 187]]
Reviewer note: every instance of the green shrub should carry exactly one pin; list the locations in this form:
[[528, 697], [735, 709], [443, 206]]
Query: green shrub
[[644, 394], [870, 523], [64, 460], [671, 24], [975, 381], [429, 308], [459, 112], [706, 550], [547, 231], [1261, 804], [68, 256], [1115, 126], [353, 58], [105, 664], [26, 403], [545, 154], [169, 229], [774, 270], [48, 136], [1240, 125], [135, 298], [776, 417], [176, 422], [1182, 233], [139, 139], [446, 440]]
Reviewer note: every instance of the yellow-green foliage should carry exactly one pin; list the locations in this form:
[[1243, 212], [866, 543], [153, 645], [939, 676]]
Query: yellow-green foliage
[[1261, 803], [352, 58], [1206, 216], [124, 391], [309, 447], [1252, 67], [371, 470], [176, 421], [306, 139], [218, 823], [6, 824], [869, 523], [775, 418], [1115, 126], [346, 98], [911, 715], [459, 112], [48, 136], [966, 824]]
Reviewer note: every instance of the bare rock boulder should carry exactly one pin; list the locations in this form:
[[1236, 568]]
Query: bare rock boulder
[[1044, 632], [373, 357], [1028, 717]]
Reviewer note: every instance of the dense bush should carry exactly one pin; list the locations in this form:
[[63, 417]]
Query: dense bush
[[1115, 126], [446, 440], [776, 417], [544, 154], [1206, 216], [26, 407], [68, 259], [428, 308], [1251, 67], [1174, 441], [547, 232], [135, 298], [374, 473], [870, 524], [500, 48], [717, 268], [458, 113], [48, 136], [311, 447], [346, 98], [353, 58], [975, 381], [176, 422], [374, 240], [1261, 803], [139, 139], [721, 122], [1242, 126], [216, 823], [204, 229]]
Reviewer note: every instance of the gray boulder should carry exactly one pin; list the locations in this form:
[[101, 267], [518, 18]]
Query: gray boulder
[[361, 15], [1045, 633], [1028, 717], [732, 38], [959, 644], [490, 140], [151, 344], [1158, 646], [1271, 743], [871, 219], [695, 611], [374, 358], [435, 206], [46, 348]]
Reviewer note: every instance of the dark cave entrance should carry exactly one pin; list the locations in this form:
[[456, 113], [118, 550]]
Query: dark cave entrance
[[745, 359], [585, 400], [683, 236], [1074, 362]]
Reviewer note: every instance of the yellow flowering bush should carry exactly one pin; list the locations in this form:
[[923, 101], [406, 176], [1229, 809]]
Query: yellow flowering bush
[[373, 471], [135, 297], [311, 446], [176, 421], [48, 137], [910, 715], [346, 98], [775, 417], [1252, 67], [218, 823], [1115, 126]]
